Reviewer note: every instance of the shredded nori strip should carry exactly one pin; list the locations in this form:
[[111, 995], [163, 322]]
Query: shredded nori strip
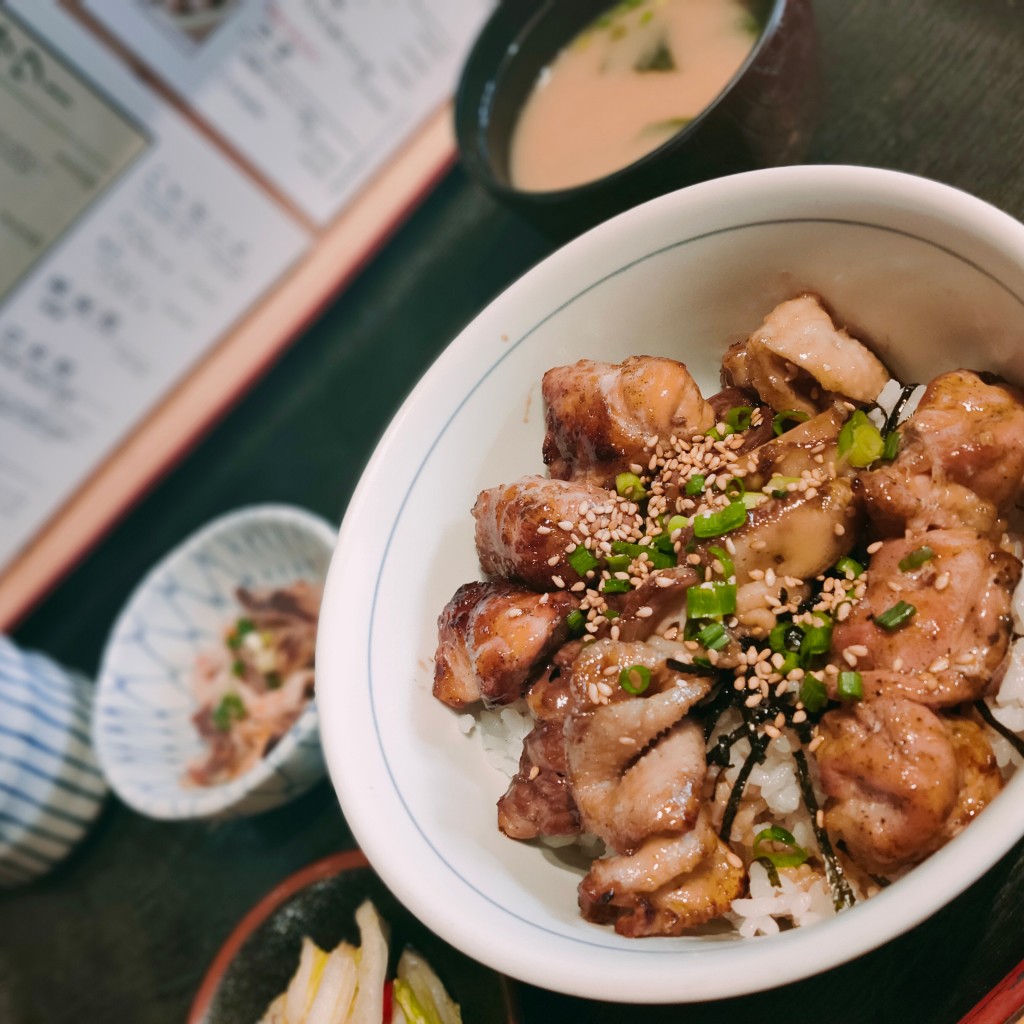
[[693, 670], [842, 894], [721, 753], [986, 712], [758, 746], [893, 420]]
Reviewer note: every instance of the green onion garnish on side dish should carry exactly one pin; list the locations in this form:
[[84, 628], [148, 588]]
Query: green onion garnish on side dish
[[695, 484], [582, 560], [711, 601], [813, 694], [916, 558], [728, 568], [576, 621], [230, 709], [860, 441], [715, 524], [713, 636], [629, 485], [787, 419], [849, 567], [635, 679], [896, 616], [792, 857], [242, 628], [738, 417], [850, 686], [616, 586]]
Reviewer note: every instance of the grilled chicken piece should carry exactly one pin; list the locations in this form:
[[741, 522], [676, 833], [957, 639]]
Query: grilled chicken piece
[[517, 530], [795, 451], [599, 414], [960, 634], [961, 461], [798, 359], [890, 770], [491, 638], [686, 902], [539, 800], [627, 790], [979, 775]]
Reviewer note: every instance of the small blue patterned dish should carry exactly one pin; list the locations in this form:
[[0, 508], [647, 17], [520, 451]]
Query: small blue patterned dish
[[50, 785], [142, 725]]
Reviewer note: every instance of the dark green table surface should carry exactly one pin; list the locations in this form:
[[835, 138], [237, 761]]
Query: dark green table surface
[[123, 931]]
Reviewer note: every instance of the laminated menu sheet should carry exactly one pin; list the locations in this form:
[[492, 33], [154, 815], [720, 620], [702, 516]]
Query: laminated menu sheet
[[182, 184]]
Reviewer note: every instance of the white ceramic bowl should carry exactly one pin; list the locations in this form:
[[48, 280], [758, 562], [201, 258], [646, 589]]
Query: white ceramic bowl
[[142, 727], [933, 276]]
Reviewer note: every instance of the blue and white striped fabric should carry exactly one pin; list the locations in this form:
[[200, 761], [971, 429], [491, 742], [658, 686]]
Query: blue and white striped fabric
[[51, 787]]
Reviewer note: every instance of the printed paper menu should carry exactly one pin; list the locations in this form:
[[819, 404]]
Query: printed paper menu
[[164, 165]]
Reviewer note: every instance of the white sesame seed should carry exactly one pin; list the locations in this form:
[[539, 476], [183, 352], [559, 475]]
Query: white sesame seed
[[850, 658], [839, 529], [534, 772], [577, 587], [771, 731], [897, 664], [544, 530], [514, 613], [939, 665], [663, 581], [565, 525], [645, 612], [769, 577], [753, 700], [859, 650], [819, 816], [942, 582], [627, 741], [558, 581], [813, 746], [615, 632], [604, 689], [876, 546]]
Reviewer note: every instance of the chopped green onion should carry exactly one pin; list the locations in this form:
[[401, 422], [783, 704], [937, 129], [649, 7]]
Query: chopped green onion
[[663, 543], [735, 489], [713, 636], [576, 621], [230, 709], [716, 523], [673, 523], [916, 558], [629, 485], [850, 686], [813, 694], [728, 568], [791, 858], [898, 615], [892, 445], [242, 628], [582, 560], [238, 668], [611, 613], [738, 417], [720, 435], [635, 679], [616, 586], [778, 485], [695, 484], [618, 563], [817, 638], [711, 601], [860, 441], [751, 499], [658, 559], [789, 662], [849, 567], [785, 637], [787, 419], [274, 680]]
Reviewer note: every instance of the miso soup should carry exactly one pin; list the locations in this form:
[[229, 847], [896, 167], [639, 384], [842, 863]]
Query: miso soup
[[625, 85]]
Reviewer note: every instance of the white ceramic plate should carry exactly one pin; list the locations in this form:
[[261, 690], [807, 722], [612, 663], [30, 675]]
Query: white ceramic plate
[[933, 277]]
